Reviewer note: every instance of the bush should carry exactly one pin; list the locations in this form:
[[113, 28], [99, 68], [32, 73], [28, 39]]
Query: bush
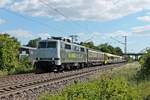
[[103, 89], [144, 73], [25, 66], [9, 50], [9, 56]]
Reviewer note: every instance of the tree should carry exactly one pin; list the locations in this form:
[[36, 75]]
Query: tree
[[33, 43], [118, 51], [106, 48], [110, 49], [89, 45], [144, 73], [9, 51]]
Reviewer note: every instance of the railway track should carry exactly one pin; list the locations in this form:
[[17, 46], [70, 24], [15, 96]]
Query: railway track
[[29, 86]]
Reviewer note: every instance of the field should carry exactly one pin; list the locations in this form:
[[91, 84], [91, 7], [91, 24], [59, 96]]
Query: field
[[118, 84]]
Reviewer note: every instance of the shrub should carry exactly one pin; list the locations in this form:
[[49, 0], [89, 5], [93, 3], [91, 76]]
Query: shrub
[[25, 66], [103, 89], [144, 73], [9, 50], [9, 56]]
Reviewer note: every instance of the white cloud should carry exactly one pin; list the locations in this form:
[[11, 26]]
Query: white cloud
[[134, 31], [102, 10], [144, 18], [120, 33], [2, 21], [105, 37], [141, 30], [24, 36], [5, 2], [20, 34]]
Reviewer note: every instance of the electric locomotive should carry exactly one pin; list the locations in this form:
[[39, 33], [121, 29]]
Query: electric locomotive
[[56, 54]]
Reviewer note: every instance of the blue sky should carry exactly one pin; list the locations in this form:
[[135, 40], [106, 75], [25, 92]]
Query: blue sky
[[93, 20]]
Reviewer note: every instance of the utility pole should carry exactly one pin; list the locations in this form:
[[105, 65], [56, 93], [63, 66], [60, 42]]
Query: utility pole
[[123, 43], [73, 38], [125, 46]]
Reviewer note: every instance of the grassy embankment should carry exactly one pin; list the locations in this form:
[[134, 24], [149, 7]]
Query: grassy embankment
[[118, 84], [3, 73]]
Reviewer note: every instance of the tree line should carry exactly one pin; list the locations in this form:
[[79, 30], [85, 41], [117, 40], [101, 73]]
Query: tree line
[[104, 48]]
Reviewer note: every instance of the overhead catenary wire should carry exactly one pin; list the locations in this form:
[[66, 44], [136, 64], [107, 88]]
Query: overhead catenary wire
[[50, 7], [115, 4], [117, 40], [24, 17], [47, 26], [60, 13], [43, 24]]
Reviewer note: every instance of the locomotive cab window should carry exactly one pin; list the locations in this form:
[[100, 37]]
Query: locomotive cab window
[[42, 45], [67, 46], [62, 45], [82, 49], [51, 44], [76, 48]]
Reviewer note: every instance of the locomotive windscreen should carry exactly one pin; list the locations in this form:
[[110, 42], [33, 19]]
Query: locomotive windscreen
[[50, 44], [42, 45]]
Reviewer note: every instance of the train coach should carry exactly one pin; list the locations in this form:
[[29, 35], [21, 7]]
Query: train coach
[[111, 58], [95, 57], [27, 53], [57, 54]]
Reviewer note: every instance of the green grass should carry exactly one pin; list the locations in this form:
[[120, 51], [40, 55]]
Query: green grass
[[118, 84], [3, 73]]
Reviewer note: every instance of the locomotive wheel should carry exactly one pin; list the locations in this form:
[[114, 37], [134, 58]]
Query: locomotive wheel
[[61, 68], [68, 67], [82, 65], [38, 71]]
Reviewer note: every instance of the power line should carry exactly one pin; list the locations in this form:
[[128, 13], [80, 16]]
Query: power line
[[74, 38], [58, 11], [115, 4], [29, 19], [54, 9], [117, 1], [117, 41], [26, 18], [125, 43], [89, 39]]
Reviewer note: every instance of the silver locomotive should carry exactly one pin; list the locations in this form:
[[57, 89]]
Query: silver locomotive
[[58, 54]]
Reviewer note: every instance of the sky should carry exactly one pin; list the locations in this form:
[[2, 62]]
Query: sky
[[100, 21]]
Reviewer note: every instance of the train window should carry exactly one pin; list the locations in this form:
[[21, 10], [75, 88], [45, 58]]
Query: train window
[[51, 44], [62, 45], [67, 46], [82, 49], [76, 48], [42, 45]]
